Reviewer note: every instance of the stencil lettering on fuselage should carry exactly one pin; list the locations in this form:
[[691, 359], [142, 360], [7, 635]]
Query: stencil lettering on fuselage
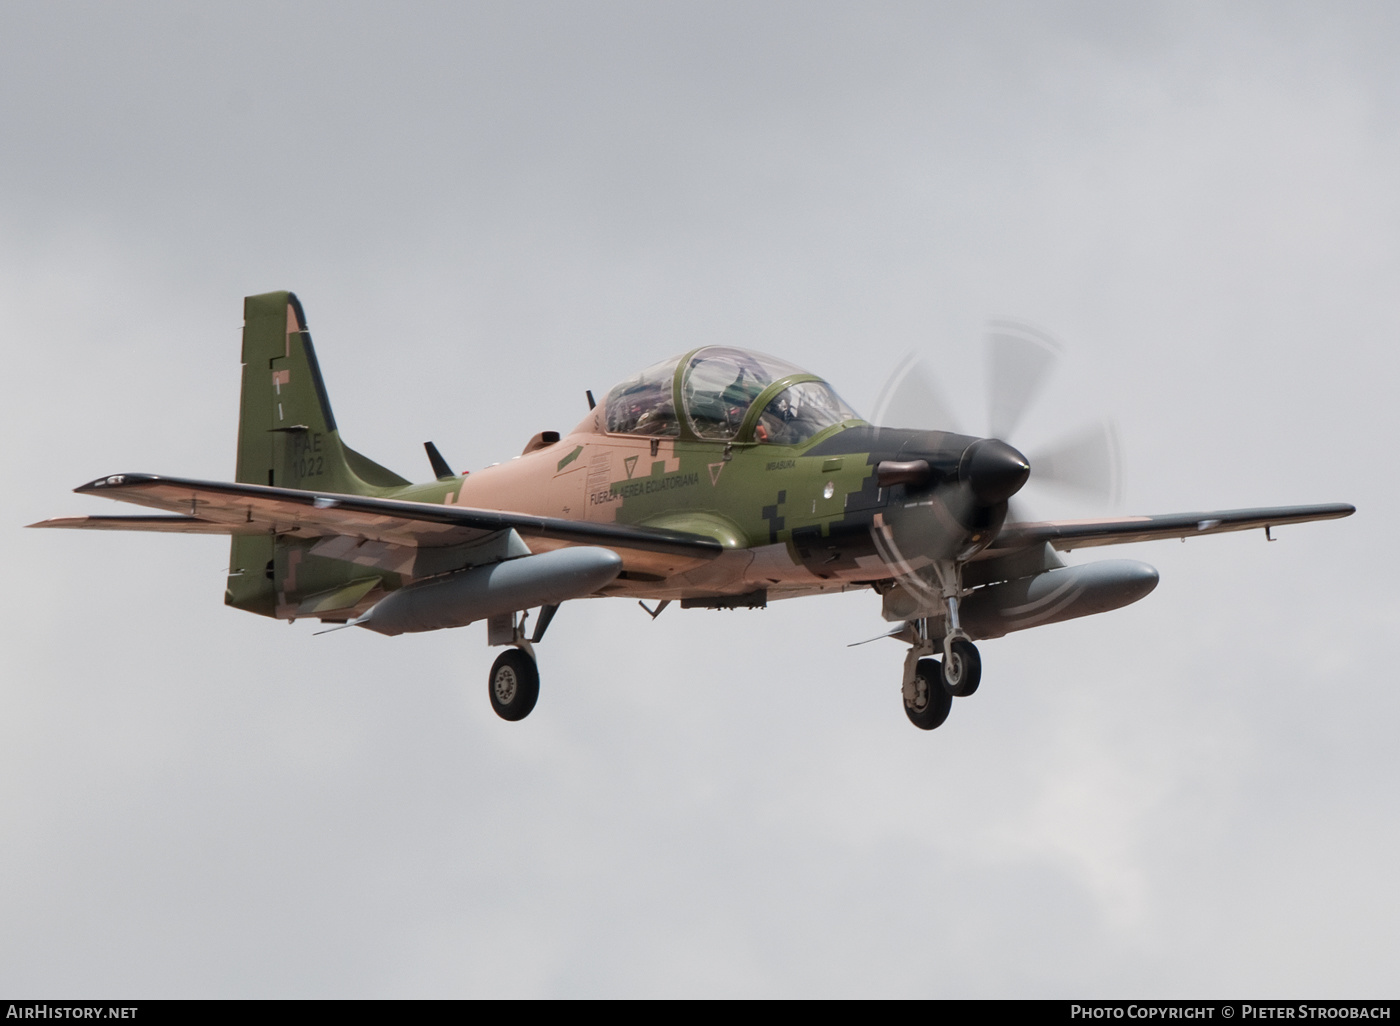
[[599, 483], [652, 485]]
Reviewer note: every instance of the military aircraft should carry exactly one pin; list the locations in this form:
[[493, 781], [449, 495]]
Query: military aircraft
[[720, 479]]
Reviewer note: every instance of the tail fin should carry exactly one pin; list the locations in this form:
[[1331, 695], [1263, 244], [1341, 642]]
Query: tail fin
[[287, 437], [286, 431]]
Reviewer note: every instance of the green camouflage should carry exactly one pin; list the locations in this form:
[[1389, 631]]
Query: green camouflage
[[719, 478], [779, 520]]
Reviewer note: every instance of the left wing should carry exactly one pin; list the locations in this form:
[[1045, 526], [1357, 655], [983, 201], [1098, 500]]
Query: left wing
[[1066, 535], [210, 507]]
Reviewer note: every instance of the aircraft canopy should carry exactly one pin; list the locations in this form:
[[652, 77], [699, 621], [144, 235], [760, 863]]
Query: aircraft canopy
[[715, 388]]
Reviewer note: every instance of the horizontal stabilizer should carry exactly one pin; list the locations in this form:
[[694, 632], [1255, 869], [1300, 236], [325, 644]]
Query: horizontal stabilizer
[[164, 525], [344, 597]]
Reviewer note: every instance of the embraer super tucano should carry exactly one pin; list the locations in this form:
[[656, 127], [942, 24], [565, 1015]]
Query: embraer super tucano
[[719, 478]]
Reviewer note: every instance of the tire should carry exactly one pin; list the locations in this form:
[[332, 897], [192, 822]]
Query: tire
[[514, 685], [931, 699], [963, 672]]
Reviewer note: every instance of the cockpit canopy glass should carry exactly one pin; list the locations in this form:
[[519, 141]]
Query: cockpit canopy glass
[[643, 405], [721, 383], [800, 411], [717, 389]]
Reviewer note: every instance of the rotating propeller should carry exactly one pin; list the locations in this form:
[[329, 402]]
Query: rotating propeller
[[1019, 361], [967, 486]]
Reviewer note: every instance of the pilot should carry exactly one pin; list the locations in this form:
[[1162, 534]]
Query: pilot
[[658, 419], [776, 423]]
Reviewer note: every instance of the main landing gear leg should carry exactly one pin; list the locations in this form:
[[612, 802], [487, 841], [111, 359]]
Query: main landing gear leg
[[962, 666], [514, 683]]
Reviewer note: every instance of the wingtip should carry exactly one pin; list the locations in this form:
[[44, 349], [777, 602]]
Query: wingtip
[[81, 521], [1335, 510], [113, 481]]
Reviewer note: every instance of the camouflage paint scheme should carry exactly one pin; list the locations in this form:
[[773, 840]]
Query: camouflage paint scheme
[[319, 530], [785, 532]]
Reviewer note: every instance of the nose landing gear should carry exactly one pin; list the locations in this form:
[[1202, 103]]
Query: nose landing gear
[[930, 685], [926, 701], [962, 668]]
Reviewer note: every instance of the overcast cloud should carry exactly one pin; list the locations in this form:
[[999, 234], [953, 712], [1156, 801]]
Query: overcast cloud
[[487, 209]]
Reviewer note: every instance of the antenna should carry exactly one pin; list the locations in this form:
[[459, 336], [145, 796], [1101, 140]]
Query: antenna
[[440, 466]]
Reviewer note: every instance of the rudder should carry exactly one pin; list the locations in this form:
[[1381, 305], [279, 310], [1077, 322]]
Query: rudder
[[287, 437], [287, 434]]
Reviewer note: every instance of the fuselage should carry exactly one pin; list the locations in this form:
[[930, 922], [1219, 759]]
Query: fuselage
[[794, 497]]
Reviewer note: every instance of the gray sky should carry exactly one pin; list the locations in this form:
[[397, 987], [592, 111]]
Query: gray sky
[[487, 209]]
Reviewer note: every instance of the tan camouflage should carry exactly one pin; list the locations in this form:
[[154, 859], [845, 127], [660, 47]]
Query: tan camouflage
[[720, 478]]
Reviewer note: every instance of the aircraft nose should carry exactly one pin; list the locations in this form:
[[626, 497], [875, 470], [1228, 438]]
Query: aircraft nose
[[993, 470]]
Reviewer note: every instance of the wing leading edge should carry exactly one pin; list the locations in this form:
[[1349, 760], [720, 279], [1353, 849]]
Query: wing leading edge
[[209, 507], [1066, 535], [214, 507]]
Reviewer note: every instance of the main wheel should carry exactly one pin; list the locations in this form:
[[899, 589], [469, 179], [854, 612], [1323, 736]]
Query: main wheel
[[963, 672], [931, 699], [514, 685]]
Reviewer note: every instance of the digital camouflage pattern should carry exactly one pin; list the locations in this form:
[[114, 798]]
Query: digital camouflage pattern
[[719, 478]]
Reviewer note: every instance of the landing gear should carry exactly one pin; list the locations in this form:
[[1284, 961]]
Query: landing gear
[[962, 668], [514, 684], [930, 685], [928, 701]]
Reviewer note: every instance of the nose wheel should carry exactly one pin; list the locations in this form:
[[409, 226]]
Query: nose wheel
[[930, 685], [928, 702], [962, 668], [514, 684]]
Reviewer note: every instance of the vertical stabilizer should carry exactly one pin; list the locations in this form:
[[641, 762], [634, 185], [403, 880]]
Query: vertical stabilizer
[[287, 434], [287, 437]]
